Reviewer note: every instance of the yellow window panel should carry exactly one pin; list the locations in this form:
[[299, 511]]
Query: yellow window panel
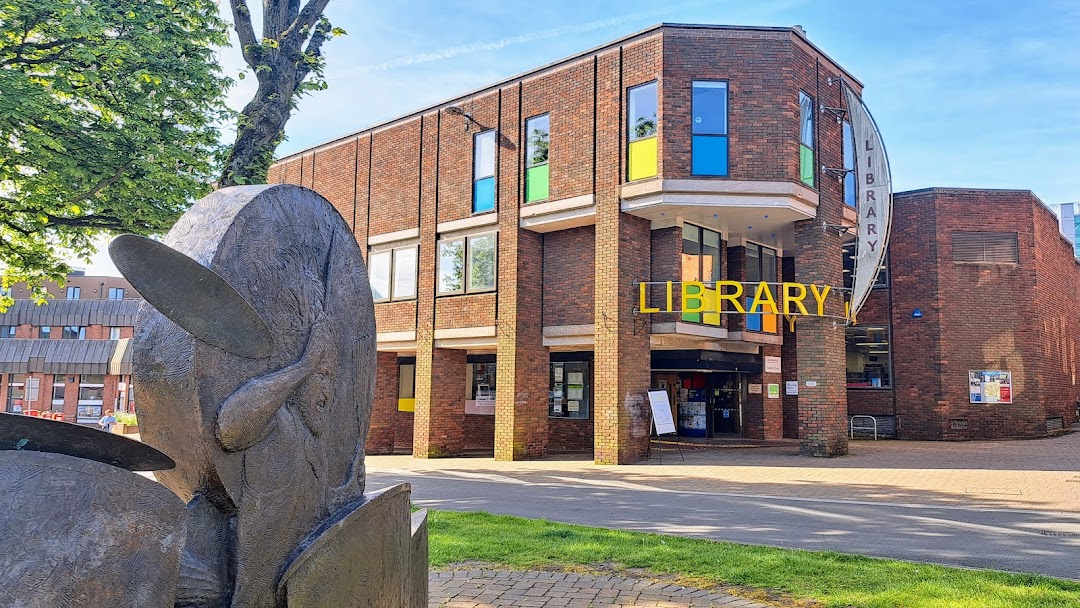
[[406, 405], [642, 158]]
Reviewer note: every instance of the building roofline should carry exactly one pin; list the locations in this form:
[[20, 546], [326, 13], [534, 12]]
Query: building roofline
[[796, 30]]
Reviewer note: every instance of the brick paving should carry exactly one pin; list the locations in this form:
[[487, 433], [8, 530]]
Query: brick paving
[[486, 588]]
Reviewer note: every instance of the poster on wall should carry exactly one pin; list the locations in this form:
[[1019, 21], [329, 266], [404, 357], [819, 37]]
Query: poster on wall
[[792, 387], [774, 391], [990, 386]]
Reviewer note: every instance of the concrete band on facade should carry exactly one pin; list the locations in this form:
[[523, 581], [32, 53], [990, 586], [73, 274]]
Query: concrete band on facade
[[557, 356]]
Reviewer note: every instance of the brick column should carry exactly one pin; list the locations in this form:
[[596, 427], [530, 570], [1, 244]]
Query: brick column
[[772, 420], [380, 439], [439, 419], [521, 425], [821, 346]]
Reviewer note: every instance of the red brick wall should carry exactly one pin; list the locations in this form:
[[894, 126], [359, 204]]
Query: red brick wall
[[456, 155], [565, 435], [567, 96], [568, 276], [380, 439], [395, 178], [395, 316], [465, 311], [479, 432], [333, 169]]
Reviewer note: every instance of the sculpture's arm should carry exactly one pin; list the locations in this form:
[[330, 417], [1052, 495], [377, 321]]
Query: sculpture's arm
[[244, 416]]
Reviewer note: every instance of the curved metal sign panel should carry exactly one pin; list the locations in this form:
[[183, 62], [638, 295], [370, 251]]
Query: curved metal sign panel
[[874, 198]]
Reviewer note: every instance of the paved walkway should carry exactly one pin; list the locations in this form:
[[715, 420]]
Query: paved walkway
[[1041, 474], [488, 588]]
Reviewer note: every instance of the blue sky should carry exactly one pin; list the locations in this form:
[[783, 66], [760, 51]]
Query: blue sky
[[966, 93]]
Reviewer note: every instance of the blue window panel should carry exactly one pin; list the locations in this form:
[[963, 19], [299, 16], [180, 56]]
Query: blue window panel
[[483, 198], [710, 155], [753, 322], [710, 107]]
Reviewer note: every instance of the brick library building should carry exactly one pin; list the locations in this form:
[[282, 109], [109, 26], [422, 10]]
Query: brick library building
[[522, 241]]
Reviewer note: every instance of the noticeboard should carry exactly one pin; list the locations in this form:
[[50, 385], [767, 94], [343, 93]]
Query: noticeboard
[[990, 386], [661, 412]]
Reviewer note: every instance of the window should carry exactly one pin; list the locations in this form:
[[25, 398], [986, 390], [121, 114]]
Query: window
[[406, 384], [393, 274], [760, 266], [709, 155], [641, 131], [701, 262], [59, 389], [849, 268], [16, 394], [986, 247], [849, 164], [483, 172], [114, 333], [404, 287], [116, 293], [73, 293], [74, 332], [480, 371], [467, 264], [570, 390], [91, 388], [7, 331], [868, 364], [537, 138], [806, 139], [44, 332]]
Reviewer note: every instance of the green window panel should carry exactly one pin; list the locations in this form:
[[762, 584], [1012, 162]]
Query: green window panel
[[536, 183], [806, 165]]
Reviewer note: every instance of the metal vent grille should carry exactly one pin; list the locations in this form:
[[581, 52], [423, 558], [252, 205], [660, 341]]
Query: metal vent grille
[[987, 247]]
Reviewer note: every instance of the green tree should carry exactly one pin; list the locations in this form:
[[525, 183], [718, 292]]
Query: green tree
[[288, 63], [108, 114]]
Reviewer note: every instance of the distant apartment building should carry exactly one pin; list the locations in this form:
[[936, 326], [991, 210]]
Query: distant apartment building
[[70, 356]]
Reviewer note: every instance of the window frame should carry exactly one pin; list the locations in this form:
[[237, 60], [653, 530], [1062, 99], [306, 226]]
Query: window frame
[[79, 331], [726, 130], [564, 398], [812, 133], [494, 170], [116, 290], [7, 332], [466, 275], [389, 273], [76, 291], [44, 332], [114, 333], [848, 251], [847, 134], [888, 367], [630, 137], [394, 297], [439, 291], [529, 164], [776, 275]]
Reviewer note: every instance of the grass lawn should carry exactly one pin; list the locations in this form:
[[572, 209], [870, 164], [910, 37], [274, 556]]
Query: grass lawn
[[788, 577]]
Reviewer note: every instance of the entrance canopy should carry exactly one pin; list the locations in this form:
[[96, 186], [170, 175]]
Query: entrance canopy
[[705, 361]]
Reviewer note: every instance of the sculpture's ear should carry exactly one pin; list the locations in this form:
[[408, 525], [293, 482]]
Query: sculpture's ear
[[192, 296]]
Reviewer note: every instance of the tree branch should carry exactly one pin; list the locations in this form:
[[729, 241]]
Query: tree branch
[[314, 49], [244, 30], [307, 18]]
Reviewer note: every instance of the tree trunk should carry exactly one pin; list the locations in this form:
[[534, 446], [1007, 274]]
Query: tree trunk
[[253, 152]]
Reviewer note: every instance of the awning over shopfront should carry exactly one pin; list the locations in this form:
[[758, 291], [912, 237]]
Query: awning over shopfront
[[64, 356], [705, 361]]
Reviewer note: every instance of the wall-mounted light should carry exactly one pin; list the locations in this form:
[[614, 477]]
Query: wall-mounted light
[[456, 111]]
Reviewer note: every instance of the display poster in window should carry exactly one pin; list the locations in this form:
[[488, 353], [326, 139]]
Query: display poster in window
[[990, 386], [575, 378], [575, 391], [573, 406], [557, 408], [755, 389], [774, 391], [661, 411], [557, 392], [772, 365], [558, 371]]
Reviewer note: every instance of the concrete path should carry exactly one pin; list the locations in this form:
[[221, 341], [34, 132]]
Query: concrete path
[[1000, 505], [488, 588]]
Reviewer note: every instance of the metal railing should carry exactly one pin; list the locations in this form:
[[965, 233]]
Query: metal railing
[[862, 426]]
